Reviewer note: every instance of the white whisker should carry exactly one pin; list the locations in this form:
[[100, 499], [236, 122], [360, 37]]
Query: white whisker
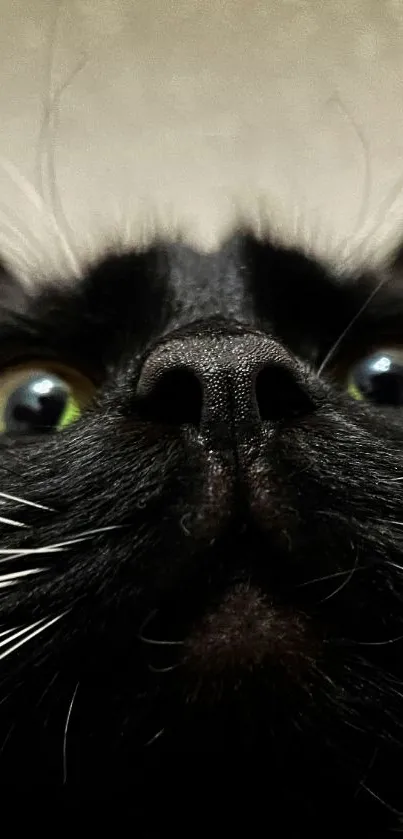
[[23, 184], [94, 532], [378, 643], [65, 733], [26, 553], [11, 225], [358, 314], [12, 242], [20, 632], [79, 537], [343, 584], [7, 585], [362, 212], [28, 637], [329, 577], [27, 573], [8, 631], [394, 565], [12, 522], [23, 266], [46, 143], [155, 641], [382, 215], [156, 737], [7, 737], [25, 501], [169, 669], [382, 801], [16, 553]]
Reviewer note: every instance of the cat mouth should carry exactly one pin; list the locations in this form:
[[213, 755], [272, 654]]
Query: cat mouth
[[247, 630], [226, 625]]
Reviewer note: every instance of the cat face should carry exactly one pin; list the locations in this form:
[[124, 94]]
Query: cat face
[[201, 522]]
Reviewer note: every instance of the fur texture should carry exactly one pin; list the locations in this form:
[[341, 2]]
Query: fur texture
[[221, 578]]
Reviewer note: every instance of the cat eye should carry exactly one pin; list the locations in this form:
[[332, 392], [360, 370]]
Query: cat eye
[[41, 398], [378, 378]]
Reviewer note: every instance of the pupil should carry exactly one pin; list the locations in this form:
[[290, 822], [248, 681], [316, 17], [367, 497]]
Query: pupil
[[36, 406], [380, 379]]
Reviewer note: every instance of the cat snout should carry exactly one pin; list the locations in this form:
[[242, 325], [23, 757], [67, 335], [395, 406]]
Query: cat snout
[[222, 382]]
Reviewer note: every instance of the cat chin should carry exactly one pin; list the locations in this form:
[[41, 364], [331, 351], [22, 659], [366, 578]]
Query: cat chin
[[245, 631], [224, 619]]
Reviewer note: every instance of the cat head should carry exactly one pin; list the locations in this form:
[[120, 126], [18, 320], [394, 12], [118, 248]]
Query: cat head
[[201, 519]]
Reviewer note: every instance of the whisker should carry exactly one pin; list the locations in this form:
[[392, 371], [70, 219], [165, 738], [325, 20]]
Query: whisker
[[12, 522], [154, 641], [367, 173], [28, 190], [381, 800], [95, 531], [25, 501], [163, 669], [8, 631], [13, 553], [11, 221], [20, 632], [48, 688], [156, 737], [28, 572], [21, 264], [23, 184], [28, 637], [377, 643], [330, 576], [65, 733], [7, 737], [368, 770], [46, 143], [160, 643], [12, 243], [51, 120], [382, 214], [394, 565], [26, 553], [349, 326], [342, 585], [372, 643]]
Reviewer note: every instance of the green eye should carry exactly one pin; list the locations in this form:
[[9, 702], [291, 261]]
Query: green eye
[[378, 378], [41, 399]]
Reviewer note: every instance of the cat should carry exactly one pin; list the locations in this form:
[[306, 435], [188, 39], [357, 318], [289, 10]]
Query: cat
[[201, 523]]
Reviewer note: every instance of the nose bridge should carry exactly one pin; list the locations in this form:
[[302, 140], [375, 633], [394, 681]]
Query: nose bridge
[[227, 367]]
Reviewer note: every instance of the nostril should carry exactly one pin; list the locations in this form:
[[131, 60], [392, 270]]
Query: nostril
[[279, 394], [175, 399]]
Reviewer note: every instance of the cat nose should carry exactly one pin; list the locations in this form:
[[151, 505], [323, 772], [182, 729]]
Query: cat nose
[[226, 381]]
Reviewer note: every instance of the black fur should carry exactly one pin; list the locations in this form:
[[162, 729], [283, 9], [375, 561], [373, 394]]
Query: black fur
[[272, 558]]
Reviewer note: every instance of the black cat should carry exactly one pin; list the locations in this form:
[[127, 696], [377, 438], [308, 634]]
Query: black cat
[[202, 524]]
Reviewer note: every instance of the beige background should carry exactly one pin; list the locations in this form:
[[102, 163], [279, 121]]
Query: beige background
[[122, 116]]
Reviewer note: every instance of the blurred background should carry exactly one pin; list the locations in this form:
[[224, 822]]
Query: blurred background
[[120, 117]]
